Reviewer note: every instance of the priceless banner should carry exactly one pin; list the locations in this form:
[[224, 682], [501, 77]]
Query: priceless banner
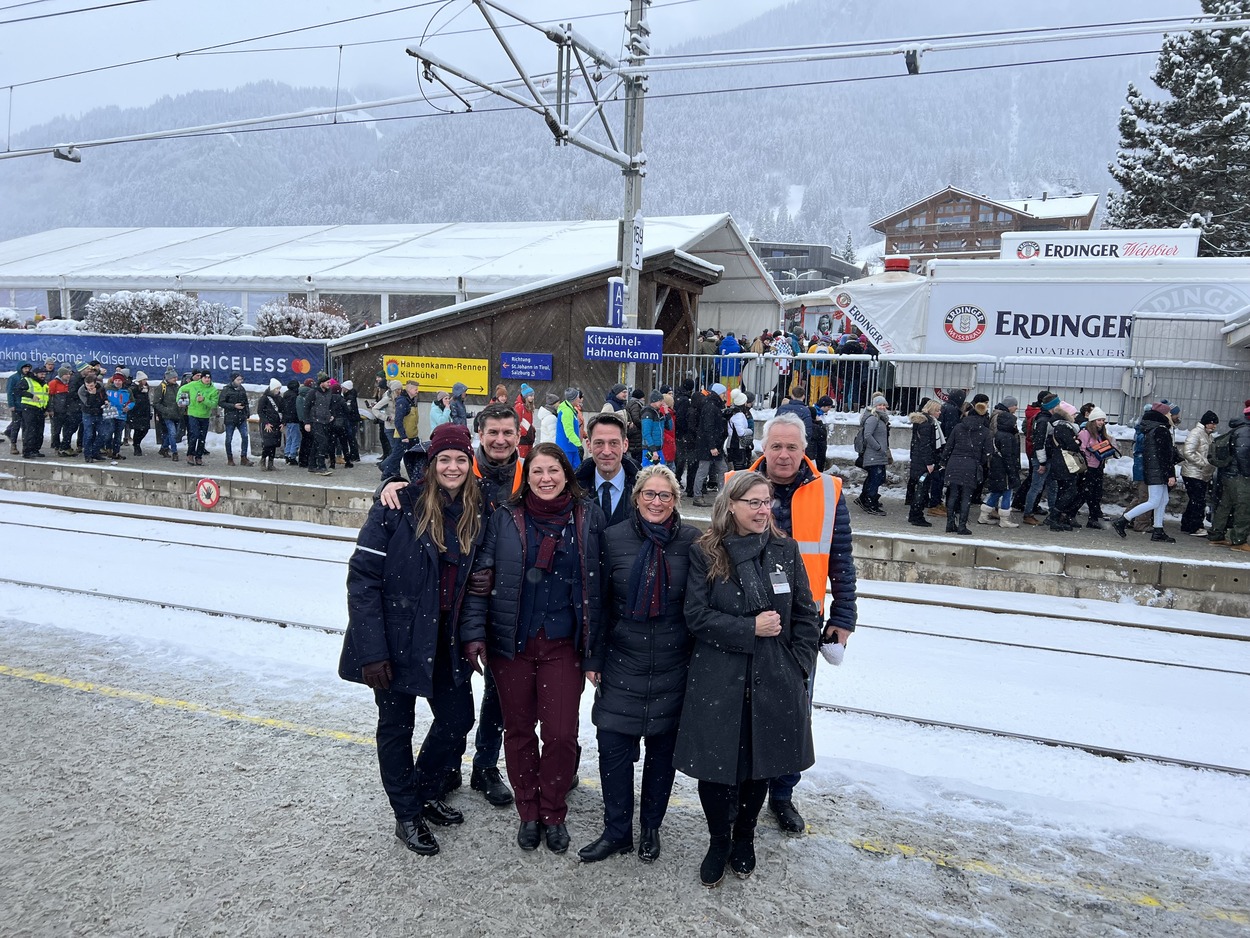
[[257, 360], [439, 374]]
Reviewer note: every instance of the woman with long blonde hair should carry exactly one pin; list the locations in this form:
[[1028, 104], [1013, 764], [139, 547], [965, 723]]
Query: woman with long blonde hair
[[756, 628]]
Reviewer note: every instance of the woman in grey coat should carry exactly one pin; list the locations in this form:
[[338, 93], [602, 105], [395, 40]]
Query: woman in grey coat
[[745, 718], [876, 455]]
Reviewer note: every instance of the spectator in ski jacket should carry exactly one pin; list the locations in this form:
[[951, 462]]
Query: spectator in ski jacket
[[524, 407], [141, 414], [546, 420], [440, 410], [924, 461], [291, 424], [459, 412], [65, 418], [730, 367], [269, 414], [633, 409], [236, 409], [655, 420], [569, 427]]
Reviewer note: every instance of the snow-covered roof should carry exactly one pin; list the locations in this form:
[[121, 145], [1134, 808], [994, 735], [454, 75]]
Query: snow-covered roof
[[1068, 206], [454, 259]]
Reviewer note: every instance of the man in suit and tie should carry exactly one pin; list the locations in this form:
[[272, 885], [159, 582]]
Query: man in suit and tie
[[609, 472]]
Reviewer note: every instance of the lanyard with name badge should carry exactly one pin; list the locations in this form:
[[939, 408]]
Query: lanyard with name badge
[[778, 580]]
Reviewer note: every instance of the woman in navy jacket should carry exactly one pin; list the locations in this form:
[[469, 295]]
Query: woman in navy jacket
[[536, 631], [405, 585], [639, 667]]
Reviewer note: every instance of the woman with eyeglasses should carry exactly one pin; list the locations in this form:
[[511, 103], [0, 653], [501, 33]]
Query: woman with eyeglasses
[[639, 667], [757, 631], [536, 630]]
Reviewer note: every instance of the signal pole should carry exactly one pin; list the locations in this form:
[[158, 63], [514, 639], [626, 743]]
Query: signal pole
[[572, 53]]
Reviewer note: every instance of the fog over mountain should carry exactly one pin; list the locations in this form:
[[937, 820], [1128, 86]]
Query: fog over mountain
[[792, 161]]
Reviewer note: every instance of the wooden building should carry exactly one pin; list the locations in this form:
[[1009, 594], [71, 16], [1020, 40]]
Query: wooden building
[[958, 224]]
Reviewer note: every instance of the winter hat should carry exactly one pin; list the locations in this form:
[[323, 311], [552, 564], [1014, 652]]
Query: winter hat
[[275, 384], [980, 399], [1162, 407], [206, 374], [687, 385], [1049, 401], [308, 382], [80, 367], [322, 376], [655, 397], [64, 370], [1209, 417], [292, 385], [718, 389], [171, 374], [571, 394], [526, 390], [878, 400], [638, 393], [235, 374], [118, 377], [666, 389], [347, 385], [1173, 409], [140, 376], [1067, 410], [40, 369], [1010, 402], [333, 384], [825, 401], [395, 384], [450, 436], [551, 398], [124, 372], [750, 397], [443, 396], [737, 398], [1098, 414]]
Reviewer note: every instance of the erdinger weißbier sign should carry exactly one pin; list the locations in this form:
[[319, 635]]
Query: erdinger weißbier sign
[[1102, 244]]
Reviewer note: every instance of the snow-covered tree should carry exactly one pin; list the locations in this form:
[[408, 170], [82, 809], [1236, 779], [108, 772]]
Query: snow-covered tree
[[215, 319], [322, 320], [137, 312], [848, 251], [1185, 161]]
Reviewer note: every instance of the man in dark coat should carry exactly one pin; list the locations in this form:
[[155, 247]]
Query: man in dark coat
[[965, 457], [1230, 525], [1158, 470], [685, 428], [608, 475], [924, 460], [710, 443], [320, 423], [235, 408]]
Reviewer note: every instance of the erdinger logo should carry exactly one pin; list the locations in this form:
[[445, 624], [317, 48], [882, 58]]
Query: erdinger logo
[[843, 300], [964, 323], [1027, 250]]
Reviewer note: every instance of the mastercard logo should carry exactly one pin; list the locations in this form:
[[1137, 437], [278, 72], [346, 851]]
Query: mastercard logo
[[301, 366], [392, 368]]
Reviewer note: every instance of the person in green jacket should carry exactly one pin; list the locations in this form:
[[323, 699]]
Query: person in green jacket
[[202, 399]]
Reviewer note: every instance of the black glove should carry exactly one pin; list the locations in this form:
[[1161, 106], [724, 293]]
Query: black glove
[[475, 652], [377, 675], [481, 582]]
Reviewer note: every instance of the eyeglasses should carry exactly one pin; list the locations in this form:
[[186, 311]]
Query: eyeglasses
[[755, 504], [662, 497]]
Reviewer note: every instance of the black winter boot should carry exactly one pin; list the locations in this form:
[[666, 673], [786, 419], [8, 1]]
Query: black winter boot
[[1158, 534], [712, 870]]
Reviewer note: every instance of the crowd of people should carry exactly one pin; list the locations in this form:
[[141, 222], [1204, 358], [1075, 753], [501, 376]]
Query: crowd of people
[[965, 454], [547, 574], [313, 424]]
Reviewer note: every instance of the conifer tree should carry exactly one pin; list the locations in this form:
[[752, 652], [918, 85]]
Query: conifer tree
[[848, 250], [1184, 160]]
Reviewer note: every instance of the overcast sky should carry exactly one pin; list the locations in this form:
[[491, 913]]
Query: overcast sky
[[55, 45]]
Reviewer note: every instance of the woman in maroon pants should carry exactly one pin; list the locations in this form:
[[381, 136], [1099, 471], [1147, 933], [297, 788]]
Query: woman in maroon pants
[[535, 630]]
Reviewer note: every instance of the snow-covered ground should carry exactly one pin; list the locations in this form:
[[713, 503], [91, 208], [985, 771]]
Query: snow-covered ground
[[124, 721]]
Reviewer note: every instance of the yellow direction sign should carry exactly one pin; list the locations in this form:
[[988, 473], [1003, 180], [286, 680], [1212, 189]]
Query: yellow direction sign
[[439, 374]]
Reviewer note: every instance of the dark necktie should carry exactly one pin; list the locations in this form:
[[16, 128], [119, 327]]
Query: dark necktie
[[605, 499]]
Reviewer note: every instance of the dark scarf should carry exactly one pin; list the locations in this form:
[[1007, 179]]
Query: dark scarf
[[648, 579], [745, 551], [550, 518], [449, 559]]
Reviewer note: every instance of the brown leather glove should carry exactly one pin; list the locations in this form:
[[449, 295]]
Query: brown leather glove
[[377, 675], [475, 652], [481, 582]]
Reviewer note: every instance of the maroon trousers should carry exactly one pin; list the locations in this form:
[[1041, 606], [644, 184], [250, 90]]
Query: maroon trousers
[[541, 688]]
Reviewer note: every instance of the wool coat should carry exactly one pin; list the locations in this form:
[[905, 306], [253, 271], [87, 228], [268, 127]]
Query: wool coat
[[733, 672], [1005, 459], [967, 452], [924, 449]]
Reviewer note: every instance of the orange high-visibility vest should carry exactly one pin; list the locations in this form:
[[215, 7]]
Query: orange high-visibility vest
[[813, 509], [518, 473]]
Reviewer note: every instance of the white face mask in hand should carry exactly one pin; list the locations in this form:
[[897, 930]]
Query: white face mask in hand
[[833, 652]]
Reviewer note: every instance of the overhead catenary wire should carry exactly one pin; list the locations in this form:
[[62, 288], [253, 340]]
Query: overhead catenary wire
[[48, 16], [248, 125]]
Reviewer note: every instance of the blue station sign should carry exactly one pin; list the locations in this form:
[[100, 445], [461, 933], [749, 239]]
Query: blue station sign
[[624, 345], [525, 366]]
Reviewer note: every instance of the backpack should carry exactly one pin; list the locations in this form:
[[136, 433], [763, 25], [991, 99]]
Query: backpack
[[858, 442], [1221, 453]]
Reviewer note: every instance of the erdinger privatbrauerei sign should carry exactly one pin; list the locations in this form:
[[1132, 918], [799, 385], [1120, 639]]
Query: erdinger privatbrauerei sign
[[1101, 244]]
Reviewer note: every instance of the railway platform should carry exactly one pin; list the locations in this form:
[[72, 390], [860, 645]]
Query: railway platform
[[1191, 574]]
